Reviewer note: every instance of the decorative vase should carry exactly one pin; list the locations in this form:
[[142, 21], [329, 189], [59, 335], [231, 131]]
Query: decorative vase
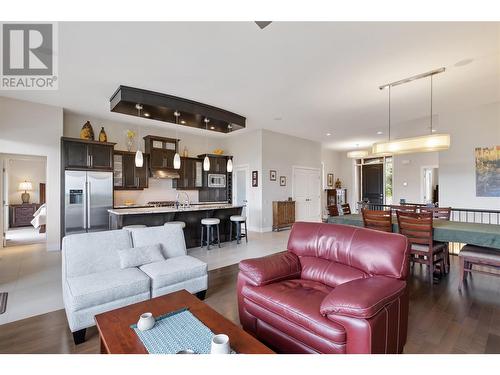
[[102, 135], [130, 144], [338, 184], [87, 131], [146, 321]]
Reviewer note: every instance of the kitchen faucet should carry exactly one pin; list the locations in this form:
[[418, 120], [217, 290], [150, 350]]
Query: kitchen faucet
[[186, 203]]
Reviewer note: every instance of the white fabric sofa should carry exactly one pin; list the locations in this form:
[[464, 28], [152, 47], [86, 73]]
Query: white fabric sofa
[[94, 282]]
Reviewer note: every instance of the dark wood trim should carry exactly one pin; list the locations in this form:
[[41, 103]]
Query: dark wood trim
[[161, 107], [70, 139]]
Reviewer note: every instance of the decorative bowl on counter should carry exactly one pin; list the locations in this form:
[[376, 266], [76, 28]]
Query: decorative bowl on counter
[[218, 151]]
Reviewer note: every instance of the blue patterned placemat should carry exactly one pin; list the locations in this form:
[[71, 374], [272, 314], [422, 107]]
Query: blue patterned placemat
[[176, 331]]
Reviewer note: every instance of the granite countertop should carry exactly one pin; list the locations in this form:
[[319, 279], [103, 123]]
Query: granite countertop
[[158, 210]]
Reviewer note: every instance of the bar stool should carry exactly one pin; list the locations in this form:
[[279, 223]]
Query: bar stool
[[238, 219], [210, 223], [181, 223], [135, 226]]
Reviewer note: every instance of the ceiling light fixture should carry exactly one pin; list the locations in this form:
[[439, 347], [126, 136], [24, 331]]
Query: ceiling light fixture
[[328, 134], [380, 133], [139, 159], [427, 143], [206, 161], [177, 157], [229, 165]]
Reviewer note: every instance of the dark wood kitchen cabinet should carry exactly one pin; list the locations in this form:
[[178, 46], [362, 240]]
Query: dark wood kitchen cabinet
[[190, 174], [87, 155], [161, 150], [126, 176]]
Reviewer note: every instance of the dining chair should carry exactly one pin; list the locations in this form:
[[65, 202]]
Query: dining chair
[[441, 213], [411, 209], [417, 227], [333, 210], [346, 209], [377, 219]]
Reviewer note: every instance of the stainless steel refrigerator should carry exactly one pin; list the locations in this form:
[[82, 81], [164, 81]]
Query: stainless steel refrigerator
[[87, 198]]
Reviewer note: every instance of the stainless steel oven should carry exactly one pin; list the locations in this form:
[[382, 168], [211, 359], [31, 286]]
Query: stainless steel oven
[[217, 180]]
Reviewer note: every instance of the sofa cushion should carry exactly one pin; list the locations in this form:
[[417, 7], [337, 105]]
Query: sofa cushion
[[297, 301], [328, 272], [137, 256], [170, 237], [88, 253], [99, 288], [174, 270]]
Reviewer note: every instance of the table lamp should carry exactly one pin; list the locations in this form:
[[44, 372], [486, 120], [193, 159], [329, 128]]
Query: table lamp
[[26, 185]]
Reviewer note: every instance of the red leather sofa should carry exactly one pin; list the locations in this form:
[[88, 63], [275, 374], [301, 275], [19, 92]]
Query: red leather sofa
[[338, 289]]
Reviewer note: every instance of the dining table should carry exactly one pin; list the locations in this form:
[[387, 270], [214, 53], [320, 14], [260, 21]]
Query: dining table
[[478, 234]]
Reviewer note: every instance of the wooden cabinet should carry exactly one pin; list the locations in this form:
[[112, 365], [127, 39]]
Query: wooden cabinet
[[126, 176], [88, 155], [161, 151], [336, 196], [190, 174], [283, 214], [20, 215]]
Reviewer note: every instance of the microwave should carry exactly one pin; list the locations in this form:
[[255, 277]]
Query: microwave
[[217, 180]]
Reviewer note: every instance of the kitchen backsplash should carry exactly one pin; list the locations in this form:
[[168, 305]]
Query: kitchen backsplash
[[159, 190]]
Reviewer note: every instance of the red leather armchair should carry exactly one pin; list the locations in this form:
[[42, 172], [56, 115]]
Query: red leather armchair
[[338, 289]]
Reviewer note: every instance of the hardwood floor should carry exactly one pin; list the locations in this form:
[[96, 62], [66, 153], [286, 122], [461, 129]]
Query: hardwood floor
[[442, 320]]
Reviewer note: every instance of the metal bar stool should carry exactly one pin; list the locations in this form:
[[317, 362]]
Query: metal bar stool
[[238, 219], [210, 223]]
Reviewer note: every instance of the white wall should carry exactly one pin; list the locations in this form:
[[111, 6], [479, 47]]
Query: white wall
[[24, 168], [158, 190], [246, 149], [280, 152], [35, 129], [332, 163], [470, 128], [408, 169]]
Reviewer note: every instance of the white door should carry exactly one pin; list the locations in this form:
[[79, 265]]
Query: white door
[[306, 193], [240, 193]]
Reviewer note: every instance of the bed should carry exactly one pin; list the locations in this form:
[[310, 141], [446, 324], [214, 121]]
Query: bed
[[40, 216]]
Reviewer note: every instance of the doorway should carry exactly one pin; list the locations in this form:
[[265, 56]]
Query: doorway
[[306, 191], [241, 188], [373, 183], [429, 184], [23, 199]]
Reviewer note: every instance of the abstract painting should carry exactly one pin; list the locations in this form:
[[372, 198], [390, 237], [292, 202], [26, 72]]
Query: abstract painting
[[488, 171]]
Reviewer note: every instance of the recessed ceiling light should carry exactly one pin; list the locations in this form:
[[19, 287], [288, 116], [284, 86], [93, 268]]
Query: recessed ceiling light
[[146, 114], [212, 127], [183, 122], [434, 130], [380, 133], [328, 134]]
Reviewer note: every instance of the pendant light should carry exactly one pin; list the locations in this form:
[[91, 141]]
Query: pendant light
[[206, 161], [177, 157], [229, 165], [139, 159], [427, 143]]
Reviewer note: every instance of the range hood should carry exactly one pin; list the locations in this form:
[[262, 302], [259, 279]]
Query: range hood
[[164, 173]]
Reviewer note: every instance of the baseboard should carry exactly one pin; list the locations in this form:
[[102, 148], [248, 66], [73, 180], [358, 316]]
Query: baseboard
[[53, 246], [260, 230]]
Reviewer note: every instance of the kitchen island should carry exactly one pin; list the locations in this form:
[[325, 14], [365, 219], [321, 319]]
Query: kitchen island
[[192, 215]]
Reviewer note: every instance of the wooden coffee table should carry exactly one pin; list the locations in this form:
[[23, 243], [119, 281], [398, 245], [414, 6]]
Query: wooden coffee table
[[117, 337]]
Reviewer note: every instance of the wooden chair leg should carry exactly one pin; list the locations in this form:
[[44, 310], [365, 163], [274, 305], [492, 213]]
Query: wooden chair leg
[[461, 273], [431, 272]]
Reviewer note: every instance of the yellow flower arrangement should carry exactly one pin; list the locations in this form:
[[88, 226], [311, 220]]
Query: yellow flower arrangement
[[130, 134]]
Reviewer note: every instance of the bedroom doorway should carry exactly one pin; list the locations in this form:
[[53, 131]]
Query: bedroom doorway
[[23, 199]]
